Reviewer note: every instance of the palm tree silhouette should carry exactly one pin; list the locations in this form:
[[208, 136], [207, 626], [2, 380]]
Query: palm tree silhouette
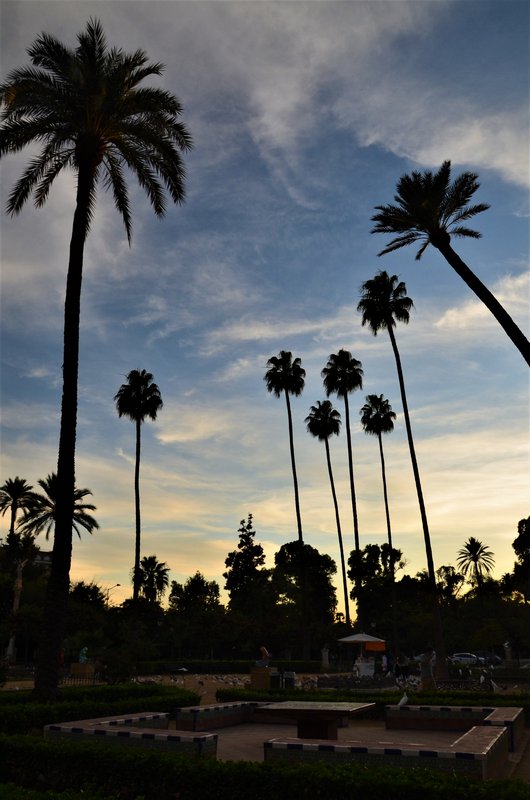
[[383, 301], [322, 422], [41, 516], [153, 578], [475, 558], [137, 399], [286, 376], [377, 418], [344, 374], [17, 495], [86, 110], [429, 210]]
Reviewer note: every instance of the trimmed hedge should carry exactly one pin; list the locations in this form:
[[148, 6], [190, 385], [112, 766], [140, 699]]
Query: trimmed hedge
[[73, 766], [204, 667], [31, 717], [8, 791]]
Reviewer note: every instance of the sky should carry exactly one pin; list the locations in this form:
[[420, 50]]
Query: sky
[[304, 115]]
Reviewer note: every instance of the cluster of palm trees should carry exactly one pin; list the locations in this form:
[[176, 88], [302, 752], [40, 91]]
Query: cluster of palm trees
[[87, 111]]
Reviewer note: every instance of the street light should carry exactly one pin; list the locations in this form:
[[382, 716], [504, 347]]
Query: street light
[[109, 590]]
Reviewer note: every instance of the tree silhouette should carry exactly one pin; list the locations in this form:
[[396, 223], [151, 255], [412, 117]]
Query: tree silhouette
[[87, 112], [430, 209], [475, 559], [153, 578]]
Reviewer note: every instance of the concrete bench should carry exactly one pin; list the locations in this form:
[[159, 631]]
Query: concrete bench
[[208, 717], [481, 753], [146, 731], [456, 718]]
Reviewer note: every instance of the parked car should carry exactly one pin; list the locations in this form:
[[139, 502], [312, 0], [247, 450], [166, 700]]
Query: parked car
[[490, 659], [466, 659]]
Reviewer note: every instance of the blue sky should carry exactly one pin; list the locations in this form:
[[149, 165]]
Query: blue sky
[[304, 116]]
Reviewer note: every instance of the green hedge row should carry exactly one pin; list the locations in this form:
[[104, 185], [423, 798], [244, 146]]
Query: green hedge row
[[205, 667], [8, 791], [30, 717], [73, 766]]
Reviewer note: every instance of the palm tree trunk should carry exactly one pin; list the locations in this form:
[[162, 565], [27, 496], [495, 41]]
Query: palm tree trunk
[[339, 534], [293, 466], [358, 588], [137, 547], [441, 662], [395, 644], [489, 299], [56, 601]]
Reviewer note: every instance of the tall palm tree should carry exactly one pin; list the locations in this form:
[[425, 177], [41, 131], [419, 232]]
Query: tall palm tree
[[430, 209], [137, 399], [286, 376], [475, 558], [17, 495], [383, 302], [324, 421], [342, 375], [41, 516], [377, 418], [87, 112], [153, 578]]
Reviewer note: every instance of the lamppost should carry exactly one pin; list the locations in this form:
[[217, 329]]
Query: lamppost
[[109, 590]]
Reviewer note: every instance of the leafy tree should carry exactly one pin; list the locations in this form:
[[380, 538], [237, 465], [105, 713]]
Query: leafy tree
[[197, 594], [377, 418], [324, 421], [383, 301], [449, 584], [198, 618], [42, 514], [137, 399], [430, 209], [153, 579], [87, 111], [286, 376], [89, 593], [475, 559], [342, 375], [247, 581]]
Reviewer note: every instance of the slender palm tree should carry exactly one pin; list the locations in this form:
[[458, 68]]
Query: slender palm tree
[[17, 495], [86, 110], [41, 516], [286, 376], [153, 579], [476, 559], [377, 418], [383, 302], [342, 375], [430, 209], [137, 399], [322, 422]]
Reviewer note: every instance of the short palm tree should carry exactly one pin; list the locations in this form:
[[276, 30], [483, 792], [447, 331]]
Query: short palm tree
[[378, 418], [322, 422], [342, 375], [153, 578], [42, 514], [475, 558], [137, 399], [430, 209], [86, 110], [286, 376], [17, 495], [383, 302]]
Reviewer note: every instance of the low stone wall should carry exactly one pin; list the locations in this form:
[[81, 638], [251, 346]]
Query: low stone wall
[[148, 730], [201, 718], [481, 753]]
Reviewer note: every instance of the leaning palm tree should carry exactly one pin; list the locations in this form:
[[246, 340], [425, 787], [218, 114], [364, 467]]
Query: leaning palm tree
[[86, 110], [377, 418], [17, 495], [286, 376], [153, 578], [476, 559], [383, 301], [342, 375], [322, 422], [137, 399], [41, 517], [430, 209]]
